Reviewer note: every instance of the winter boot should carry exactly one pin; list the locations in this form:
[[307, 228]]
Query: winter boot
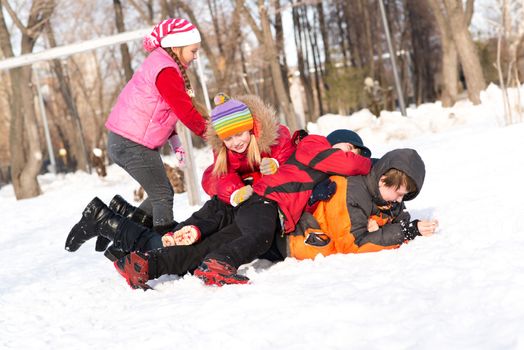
[[97, 219], [120, 206], [214, 272], [114, 254], [134, 268]]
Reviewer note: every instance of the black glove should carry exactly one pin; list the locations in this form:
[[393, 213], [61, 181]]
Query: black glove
[[322, 191], [409, 229], [298, 136]]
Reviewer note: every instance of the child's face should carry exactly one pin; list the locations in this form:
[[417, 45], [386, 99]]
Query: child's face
[[391, 194], [238, 142], [346, 147], [187, 54]]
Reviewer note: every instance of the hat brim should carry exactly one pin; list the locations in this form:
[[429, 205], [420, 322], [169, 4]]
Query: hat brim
[[181, 39]]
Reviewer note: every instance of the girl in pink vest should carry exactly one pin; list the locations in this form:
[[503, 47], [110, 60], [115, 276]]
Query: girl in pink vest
[[147, 110]]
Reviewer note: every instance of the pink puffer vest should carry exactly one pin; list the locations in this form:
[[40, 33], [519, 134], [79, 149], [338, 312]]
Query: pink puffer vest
[[140, 113]]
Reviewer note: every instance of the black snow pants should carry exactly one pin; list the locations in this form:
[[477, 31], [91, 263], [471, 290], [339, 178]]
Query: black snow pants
[[258, 221]]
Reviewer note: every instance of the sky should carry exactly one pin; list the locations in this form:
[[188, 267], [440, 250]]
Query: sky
[[459, 289]]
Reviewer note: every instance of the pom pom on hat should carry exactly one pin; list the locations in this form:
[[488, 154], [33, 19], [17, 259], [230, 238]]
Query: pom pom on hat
[[220, 98], [230, 116], [349, 136], [172, 32]]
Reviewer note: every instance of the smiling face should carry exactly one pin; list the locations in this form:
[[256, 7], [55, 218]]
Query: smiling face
[[187, 54], [238, 142]]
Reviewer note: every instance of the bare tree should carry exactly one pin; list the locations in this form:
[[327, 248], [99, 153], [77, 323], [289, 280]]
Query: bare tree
[[24, 141], [264, 36], [78, 147], [221, 45], [124, 49], [453, 20], [449, 65], [422, 30]]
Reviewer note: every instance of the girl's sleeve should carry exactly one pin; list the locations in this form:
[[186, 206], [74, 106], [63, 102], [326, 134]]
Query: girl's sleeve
[[316, 152], [170, 85], [284, 147], [222, 186]]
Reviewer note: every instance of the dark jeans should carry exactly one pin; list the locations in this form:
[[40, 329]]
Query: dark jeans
[[260, 225], [211, 218], [179, 260], [215, 221], [258, 221], [146, 167]]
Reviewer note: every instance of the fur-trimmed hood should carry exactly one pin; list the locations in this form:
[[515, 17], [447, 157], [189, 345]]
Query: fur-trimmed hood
[[266, 124]]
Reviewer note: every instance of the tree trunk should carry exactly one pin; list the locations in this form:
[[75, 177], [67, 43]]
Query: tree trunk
[[353, 35], [316, 63], [368, 43], [466, 50], [79, 150], [276, 73], [341, 33], [124, 49], [421, 30], [24, 140], [325, 36], [304, 73], [279, 40], [449, 72], [449, 68]]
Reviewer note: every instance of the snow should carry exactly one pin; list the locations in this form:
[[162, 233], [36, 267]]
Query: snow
[[459, 289]]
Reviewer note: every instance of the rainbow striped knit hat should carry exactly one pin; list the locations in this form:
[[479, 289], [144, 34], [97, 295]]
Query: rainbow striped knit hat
[[230, 116]]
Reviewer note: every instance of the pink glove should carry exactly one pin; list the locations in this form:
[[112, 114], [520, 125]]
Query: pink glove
[[176, 147], [180, 155]]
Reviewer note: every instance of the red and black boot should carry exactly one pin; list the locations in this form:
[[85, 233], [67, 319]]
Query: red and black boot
[[134, 267], [218, 273]]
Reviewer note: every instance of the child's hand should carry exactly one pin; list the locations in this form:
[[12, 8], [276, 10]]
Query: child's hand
[[268, 166], [322, 191], [372, 225], [180, 156], [187, 235], [241, 195], [168, 240], [427, 227]]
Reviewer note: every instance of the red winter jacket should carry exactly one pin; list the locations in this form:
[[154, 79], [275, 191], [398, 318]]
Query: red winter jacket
[[313, 161], [274, 141]]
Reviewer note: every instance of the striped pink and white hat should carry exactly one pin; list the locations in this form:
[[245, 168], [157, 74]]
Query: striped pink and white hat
[[172, 32]]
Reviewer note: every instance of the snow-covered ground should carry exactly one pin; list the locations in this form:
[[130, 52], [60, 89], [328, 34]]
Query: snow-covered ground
[[462, 288]]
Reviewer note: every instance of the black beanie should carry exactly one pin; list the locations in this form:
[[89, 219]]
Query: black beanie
[[349, 136]]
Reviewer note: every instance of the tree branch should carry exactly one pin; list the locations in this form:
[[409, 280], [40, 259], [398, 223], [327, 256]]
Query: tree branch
[[468, 12], [15, 18], [143, 14], [250, 21]]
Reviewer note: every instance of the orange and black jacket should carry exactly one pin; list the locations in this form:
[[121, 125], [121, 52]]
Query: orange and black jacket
[[313, 161], [342, 221]]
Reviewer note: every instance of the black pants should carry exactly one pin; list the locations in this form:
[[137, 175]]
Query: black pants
[[146, 167], [180, 260], [258, 221], [236, 236], [211, 218]]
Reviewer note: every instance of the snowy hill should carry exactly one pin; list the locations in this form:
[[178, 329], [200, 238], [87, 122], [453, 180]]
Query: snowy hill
[[459, 289]]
